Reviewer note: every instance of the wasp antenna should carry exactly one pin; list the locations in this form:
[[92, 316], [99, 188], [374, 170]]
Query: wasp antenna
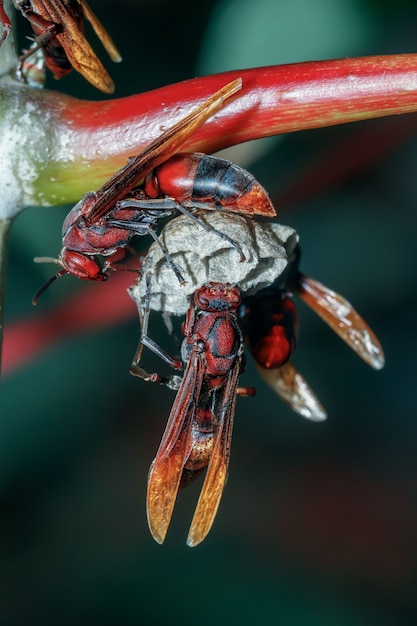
[[46, 285], [46, 259]]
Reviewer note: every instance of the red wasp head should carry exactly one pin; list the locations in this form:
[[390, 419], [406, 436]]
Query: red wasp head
[[77, 236], [217, 297], [81, 265], [75, 263]]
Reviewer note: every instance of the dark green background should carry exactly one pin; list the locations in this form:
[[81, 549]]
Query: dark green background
[[318, 521]]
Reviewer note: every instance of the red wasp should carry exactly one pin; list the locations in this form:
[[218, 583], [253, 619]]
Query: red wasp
[[270, 326], [59, 31], [199, 429], [103, 222]]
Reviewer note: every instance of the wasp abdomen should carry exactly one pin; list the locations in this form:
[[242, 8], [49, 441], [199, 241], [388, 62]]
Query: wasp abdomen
[[210, 180]]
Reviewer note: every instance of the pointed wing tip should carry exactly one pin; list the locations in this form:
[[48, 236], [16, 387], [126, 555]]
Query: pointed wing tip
[[377, 361], [106, 87], [377, 365], [157, 533], [315, 416], [158, 519], [227, 91], [116, 58], [193, 541], [157, 538], [236, 84]]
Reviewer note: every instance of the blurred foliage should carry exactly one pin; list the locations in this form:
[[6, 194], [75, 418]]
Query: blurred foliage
[[318, 521]]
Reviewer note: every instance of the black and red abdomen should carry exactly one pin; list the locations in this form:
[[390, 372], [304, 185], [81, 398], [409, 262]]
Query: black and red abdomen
[[211, 180], [57, 61], [270, 325]]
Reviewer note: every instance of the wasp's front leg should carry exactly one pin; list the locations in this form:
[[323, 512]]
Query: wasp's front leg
[[173, 382], [44, 31]]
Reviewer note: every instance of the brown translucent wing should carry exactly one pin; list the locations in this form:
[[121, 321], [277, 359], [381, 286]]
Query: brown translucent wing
[[216, 476], [293, 389], [84, 60], [165, 472], [79, 52], [159, 150], [339, 314], [101, 33]]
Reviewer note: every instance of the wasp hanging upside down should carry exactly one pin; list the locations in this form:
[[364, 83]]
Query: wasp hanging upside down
[[199, 429], [219, 318], [58, 26]]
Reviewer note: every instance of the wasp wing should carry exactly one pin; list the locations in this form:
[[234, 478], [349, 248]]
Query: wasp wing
[[216, 476], [101, 33], [166, 470], [339, 314], [83, 58], [79, 52], [293, 389], [158, 151]]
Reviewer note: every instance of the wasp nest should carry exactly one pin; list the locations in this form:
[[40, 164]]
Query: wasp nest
[[203, 256]]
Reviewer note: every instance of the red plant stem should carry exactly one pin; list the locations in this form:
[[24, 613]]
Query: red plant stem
[[94, 306], [92, 139], [99, 136]]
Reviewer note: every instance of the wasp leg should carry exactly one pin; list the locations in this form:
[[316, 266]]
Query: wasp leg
[[173, 382], [182, 209]]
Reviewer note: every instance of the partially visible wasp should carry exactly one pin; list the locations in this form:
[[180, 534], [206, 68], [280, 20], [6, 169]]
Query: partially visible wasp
[[270, 327], [59, 30], [199, 429]]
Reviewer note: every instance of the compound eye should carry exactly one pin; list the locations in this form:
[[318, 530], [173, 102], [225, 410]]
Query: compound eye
[[82, 266], [200, 345], [235, 297], [200, 298], [80, 222]]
